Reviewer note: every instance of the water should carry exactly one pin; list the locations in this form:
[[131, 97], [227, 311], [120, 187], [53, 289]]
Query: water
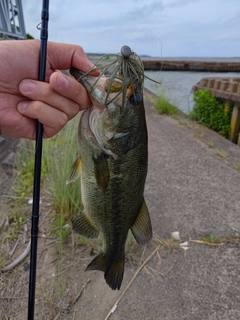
[[176, 86]]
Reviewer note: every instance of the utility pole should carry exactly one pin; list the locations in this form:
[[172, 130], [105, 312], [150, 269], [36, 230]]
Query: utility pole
[[11, 20]]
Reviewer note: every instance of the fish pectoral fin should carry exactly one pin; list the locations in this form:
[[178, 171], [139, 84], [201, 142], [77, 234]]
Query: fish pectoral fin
[[84, 227], [113, 270], [75, 171], [101, 171], [142, 229]]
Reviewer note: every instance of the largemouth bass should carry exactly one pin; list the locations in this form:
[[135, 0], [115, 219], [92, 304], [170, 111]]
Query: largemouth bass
[[112, 165]]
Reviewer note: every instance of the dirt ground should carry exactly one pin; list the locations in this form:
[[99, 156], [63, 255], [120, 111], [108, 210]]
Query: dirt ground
[[191, 189]]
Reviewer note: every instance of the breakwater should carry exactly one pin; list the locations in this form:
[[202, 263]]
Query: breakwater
[[191, 65]]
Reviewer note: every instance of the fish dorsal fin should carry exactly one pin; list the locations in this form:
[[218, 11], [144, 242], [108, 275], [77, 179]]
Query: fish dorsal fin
[[75, 171], [142, 229], [84, 227], [101, 171]]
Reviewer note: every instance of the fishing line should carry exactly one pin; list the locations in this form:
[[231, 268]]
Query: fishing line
[[37, 166]]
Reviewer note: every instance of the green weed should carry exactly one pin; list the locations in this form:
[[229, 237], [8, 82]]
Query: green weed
[[221, 154], [58, 155], [60, 152], [231, 239], [82, 241], [209, 144], [237, 166], [25, 168], [212, 239], [166, 244], [163, 106], [210, 112], [2, 260]]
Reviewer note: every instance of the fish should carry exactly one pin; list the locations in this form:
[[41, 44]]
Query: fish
[[112, 165]]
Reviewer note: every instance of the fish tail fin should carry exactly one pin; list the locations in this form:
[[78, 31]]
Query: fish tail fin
[[113, 270]]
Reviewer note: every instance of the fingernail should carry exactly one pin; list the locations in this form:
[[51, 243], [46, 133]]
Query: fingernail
[[22, 106], [62, 82], [27, 86]]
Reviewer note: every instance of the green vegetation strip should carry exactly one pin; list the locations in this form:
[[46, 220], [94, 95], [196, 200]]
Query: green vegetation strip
[[211, 113]]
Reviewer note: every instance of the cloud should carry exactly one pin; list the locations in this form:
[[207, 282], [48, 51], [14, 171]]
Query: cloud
[[154, 27], [144, 11]]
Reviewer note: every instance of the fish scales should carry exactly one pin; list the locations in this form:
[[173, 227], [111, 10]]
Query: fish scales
[[112, 165]]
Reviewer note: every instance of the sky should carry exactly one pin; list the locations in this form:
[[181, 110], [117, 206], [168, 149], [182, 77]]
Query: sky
[[159, 28]]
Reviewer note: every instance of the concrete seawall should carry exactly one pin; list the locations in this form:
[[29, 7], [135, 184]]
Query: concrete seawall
[[191, 65]]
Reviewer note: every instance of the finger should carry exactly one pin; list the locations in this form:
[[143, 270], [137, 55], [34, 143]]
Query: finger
[[52, 119], [70, 88], [42, 91], [63, 56]]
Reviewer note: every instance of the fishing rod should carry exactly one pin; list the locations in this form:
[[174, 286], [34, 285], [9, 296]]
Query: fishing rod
[[37, 167]]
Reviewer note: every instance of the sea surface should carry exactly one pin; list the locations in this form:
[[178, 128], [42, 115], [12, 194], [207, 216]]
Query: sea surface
[[176, 86]]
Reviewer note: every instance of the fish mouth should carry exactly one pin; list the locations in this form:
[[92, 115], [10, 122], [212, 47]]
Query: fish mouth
[[104, 89], [120, 81]]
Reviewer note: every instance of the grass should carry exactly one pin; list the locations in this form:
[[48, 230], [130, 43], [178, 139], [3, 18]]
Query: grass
[[25, 169], [163, 106], [209, 144], [211, 239], [59, 153], [210, 112], [221, 154], [232, 240], [166, 244], [237, 166]]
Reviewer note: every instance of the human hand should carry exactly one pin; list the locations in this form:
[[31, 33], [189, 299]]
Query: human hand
[[23, 99]]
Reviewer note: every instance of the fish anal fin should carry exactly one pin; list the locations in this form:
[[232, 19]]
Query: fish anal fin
[[142, 229], [75, 171], [101, 171], [84, 227], [113, 270]]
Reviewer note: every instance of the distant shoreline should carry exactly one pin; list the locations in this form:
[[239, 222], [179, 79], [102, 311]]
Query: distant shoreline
[[204, 59]]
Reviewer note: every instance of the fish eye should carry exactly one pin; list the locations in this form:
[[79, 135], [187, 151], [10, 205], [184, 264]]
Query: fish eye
[[135, 99]]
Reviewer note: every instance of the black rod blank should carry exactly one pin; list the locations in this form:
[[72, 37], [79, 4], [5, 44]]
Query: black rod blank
[[37, 167]]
